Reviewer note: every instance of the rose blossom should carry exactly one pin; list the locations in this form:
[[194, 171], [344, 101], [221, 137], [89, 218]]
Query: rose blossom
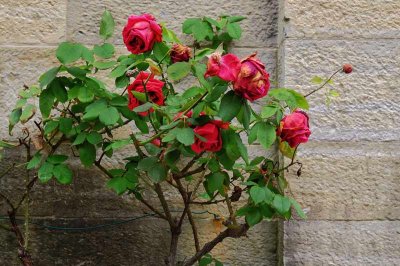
[[180, 53], [211, 132], [153, 88], [225, 67], [294, 128], [140, 33], [252, 82]]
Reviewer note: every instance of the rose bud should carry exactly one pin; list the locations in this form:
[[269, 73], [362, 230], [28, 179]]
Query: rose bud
[[347, 68], [210, 132], [253, 81], [180, 53], [225, 67], [156, 142], [294, 128], [153, 88], [140, 33]]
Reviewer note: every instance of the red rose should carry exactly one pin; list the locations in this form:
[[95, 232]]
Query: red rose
[[294, 128], [210, 132], [140, 33], [252, 82], [225, 67], [180, 53], [153, 88]]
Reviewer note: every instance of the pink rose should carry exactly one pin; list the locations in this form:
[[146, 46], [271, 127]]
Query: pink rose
[[225, 67], [153, 88], [294, 128], [252, 82], [140, 33], [180, 53]]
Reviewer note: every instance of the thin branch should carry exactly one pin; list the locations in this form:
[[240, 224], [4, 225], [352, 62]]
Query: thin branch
[[164, 203], [153, 209], [194, 229], [323, 85], [234, 232]]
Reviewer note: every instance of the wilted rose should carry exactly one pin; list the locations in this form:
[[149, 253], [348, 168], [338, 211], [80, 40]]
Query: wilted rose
[[225, 67], [252, 82], [180, 53], [140, 33], [294, 128], [153, 88]]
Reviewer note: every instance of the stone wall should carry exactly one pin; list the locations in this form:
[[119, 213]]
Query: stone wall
[[350, 184], [351, 176]]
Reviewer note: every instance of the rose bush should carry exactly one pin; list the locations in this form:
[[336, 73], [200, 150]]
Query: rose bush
[[188, 137]]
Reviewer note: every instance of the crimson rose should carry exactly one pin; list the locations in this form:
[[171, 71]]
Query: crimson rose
[[253, 81], [153, 88], [294, 128], [225, 67], [140, 33], [210, 132]]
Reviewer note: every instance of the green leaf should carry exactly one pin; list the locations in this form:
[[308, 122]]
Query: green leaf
[[50, 126], [85, 94], [143, 108], [286, 150], [87, 153], [169, 36], [192, 92], [202, 31], [268, 111], [317, 80], [119, 184], [184, 135], [118, 144], [298, 208], [230, 106], [246, 115], [107, 25], [46, 101], [94, 138], [35, 161], [178, 70], [253, 133], [216, 93], [269, 195], [80, 138], [242, 148], [45, 172], [140, 96], [214, 182], [20, 103], [28, 112], [13, 119], [266, 135], [63, 174], [68, 52], [58, 90], [87, 55], [253, 216], [157, 173], [118, 71], [188, 24], [122, 82], [234, 30], [57, 158], [147, 163], [65, 125], [93, 110], [236, 19], [48, 76], [160, 49], [281, 204], [109, 116], [257, 194], [301, 101], [105, 50], [104, 64]]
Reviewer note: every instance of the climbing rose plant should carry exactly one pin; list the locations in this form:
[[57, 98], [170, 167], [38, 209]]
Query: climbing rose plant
[[193, 138]]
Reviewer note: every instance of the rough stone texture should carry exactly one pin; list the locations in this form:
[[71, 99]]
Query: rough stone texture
[[350, 180], [259, 29], [32, 21], [342, 243], [322, 19]]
